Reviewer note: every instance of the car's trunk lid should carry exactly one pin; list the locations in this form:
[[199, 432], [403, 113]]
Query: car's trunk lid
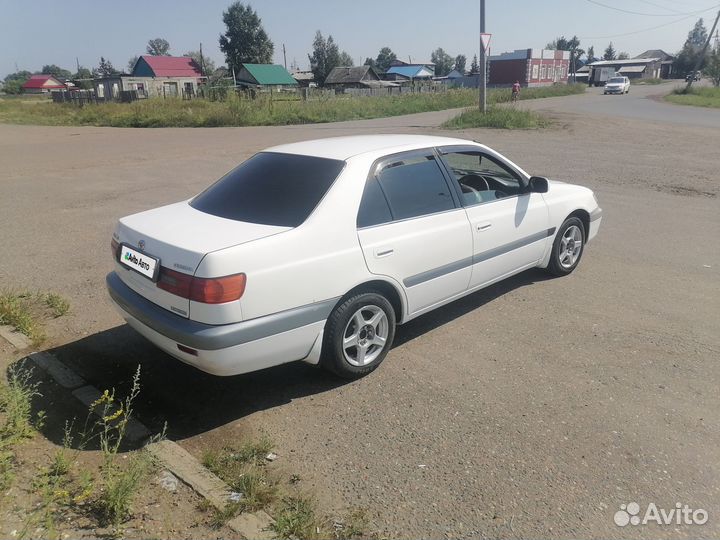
[[180, 236]]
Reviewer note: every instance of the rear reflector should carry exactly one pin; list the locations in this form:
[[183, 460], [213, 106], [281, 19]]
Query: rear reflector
[[114, 245], [205, 290], [187, 350]]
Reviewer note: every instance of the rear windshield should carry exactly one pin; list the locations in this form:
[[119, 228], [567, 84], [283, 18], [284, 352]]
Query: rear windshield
[[270, 189]]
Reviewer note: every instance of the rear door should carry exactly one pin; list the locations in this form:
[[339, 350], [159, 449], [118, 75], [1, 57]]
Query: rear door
[[509, 225], [411, 228]]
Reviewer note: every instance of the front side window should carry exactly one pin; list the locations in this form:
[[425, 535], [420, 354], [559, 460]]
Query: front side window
[[482, 178], [414, 185], [271, 189]]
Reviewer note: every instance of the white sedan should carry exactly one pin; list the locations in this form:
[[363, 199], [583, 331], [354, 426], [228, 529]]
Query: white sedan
[[316, 250], [617, 85]]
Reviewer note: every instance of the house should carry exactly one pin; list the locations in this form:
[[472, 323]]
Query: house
[[154, 76], [403, 71], [342, 77], [455, 74], [531, 67], [304, 78], [582, 74], [42, 84], [265, 76], [652, 64], [666, 61]]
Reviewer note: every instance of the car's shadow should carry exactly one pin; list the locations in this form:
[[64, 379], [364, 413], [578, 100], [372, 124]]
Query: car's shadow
[[191, 402]]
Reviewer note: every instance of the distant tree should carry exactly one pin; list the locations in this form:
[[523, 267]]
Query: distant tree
[[370, 62], [590, 55], [475, 66], [205, 63], [622, 55], [18, 76], [345, 60], [385, 58], [573, 45], [712, 66], [686, 59], [244, 40], [158, 47], [443, 62], [55, 71], [14, 81], [82, 77], [104, 69], [609, 53], [131, 63], [460, 61], [325, 56], [13, 86]]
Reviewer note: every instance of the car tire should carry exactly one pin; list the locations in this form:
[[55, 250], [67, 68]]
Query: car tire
[[352, 345], [568, 247]]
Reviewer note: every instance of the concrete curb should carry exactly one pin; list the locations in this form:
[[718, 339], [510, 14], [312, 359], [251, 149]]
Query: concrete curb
[[179, 461], [14, 338]]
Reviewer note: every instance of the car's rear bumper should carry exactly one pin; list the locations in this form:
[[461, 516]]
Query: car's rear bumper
[[228, 349]]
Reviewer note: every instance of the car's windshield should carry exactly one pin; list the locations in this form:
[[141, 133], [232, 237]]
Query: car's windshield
[[270, 189], [617, 80]]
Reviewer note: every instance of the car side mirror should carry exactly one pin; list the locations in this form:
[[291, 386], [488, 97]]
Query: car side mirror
[[538, 184]]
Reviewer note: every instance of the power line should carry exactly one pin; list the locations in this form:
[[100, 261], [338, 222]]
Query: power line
[[643, 30], [660, 6], [650, 14]]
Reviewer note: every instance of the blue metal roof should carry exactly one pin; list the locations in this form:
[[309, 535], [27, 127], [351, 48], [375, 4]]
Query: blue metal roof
[[407, 71]]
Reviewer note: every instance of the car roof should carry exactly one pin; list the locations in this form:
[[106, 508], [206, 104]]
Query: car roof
[[343, 148]]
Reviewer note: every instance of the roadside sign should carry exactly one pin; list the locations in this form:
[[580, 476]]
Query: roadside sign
[[485, 41]]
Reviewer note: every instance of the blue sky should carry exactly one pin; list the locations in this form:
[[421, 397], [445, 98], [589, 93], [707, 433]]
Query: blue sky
[[37, 32]]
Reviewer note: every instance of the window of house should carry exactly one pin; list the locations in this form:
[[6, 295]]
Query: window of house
[[535, 70]]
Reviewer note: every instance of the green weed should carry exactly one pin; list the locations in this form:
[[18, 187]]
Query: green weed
[[498, 117]]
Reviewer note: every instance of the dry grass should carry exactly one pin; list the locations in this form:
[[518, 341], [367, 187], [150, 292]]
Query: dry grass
[[26, 310]]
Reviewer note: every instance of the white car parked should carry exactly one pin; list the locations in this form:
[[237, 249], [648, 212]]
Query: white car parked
[[316, 250], [617, 85]]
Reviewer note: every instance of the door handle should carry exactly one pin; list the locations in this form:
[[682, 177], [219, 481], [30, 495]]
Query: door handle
[[484, 226], [383, 252]]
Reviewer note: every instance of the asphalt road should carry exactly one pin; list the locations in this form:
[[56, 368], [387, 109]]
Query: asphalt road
[[643, 102], [534, 408]]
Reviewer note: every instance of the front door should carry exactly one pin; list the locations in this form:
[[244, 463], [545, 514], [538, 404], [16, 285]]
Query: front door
[[412, 229], [509, 226]]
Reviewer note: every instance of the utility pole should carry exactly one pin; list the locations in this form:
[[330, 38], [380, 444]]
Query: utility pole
[[483, 62], [702, 55], [284, 57], [77, 63], [202, 62]]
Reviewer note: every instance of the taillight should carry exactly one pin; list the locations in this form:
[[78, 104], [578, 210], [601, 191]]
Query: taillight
[[114, 245], [205, 290]]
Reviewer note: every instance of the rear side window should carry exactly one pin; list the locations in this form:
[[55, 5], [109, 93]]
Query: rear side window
[[374, 208], [415, 186], [270, 189]]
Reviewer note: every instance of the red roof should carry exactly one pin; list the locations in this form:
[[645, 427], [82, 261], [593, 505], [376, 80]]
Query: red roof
[[38, 81], [173, 66]]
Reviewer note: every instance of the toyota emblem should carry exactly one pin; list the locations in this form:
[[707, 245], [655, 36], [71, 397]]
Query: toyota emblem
[[141, 244]]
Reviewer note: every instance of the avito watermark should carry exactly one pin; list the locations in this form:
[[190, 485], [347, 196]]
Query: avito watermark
[[681, 514]]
